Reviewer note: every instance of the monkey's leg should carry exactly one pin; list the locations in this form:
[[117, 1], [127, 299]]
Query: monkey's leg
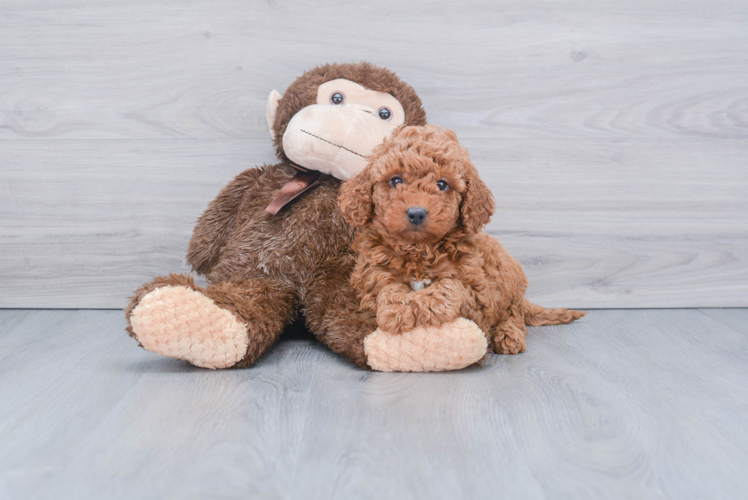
[[228, 324], [333, 313], [451, 346], [508, 336]]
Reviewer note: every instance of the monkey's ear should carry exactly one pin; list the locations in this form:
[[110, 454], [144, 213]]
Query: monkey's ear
[[477, 203], [355, 198], [273, 100]]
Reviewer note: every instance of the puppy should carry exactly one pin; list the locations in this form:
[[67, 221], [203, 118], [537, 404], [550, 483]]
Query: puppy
[[423, 260]]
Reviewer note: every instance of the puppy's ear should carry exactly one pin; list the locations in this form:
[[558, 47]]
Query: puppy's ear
[[477, 203], [355, 198]]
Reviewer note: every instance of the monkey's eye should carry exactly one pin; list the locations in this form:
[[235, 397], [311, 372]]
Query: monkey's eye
[[442, 185], [395, 181], [337, 98], [384, 113]]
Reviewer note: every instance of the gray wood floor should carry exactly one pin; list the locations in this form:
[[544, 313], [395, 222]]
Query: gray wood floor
[[624, 404]]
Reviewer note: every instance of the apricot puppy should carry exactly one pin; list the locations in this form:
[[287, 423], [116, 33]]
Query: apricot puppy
[[423, 260]]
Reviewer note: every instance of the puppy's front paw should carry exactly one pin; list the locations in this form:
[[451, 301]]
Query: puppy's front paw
[[396, 318], [436, 307], [438, 314]]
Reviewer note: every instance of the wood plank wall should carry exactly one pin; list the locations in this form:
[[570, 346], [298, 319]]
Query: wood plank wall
[[613, 134]]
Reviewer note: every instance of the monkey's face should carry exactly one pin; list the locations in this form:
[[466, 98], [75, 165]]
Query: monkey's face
[[335, 135]]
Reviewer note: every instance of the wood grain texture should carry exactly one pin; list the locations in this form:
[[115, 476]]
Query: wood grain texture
[[613, 135], [623, 404], [146, 69], [737, 319], [87, 224]]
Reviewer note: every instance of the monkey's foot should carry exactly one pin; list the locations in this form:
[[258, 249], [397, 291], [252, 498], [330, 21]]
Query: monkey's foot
[[182, 323], [451, 346]]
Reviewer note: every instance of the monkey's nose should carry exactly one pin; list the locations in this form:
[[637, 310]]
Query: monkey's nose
[[416, 215], [361, 107]]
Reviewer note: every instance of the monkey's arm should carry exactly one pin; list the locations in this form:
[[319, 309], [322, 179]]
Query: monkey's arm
[[218, 221]]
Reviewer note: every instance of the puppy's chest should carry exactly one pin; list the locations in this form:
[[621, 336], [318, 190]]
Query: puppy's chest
[[418, 285], [419, 276]]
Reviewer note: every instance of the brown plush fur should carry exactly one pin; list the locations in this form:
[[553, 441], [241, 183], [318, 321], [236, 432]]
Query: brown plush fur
[[470, 273], [266, 268]]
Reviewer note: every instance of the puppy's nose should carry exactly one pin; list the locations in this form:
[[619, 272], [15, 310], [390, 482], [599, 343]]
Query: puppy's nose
[[416, 215]]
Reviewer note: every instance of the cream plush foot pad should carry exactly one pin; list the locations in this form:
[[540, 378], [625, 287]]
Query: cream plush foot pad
[[182, 323], [450, 347]]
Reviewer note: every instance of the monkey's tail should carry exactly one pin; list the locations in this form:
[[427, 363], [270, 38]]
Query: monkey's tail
[[536, 315]]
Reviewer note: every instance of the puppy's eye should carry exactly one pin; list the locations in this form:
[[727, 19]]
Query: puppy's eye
[[337, 98], [442, 185], [384, 113], [395, 181]]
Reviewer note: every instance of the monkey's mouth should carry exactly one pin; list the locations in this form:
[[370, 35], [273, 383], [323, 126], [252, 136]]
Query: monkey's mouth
[[332, 143]]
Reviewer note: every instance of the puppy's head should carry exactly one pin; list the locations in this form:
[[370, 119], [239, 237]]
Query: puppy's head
[[418, 187]]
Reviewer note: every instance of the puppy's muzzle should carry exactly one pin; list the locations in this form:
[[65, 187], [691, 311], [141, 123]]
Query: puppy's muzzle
[[416, 215]]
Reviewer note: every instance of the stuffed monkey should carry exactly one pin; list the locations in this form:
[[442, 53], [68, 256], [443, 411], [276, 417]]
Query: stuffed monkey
[[274, 244]]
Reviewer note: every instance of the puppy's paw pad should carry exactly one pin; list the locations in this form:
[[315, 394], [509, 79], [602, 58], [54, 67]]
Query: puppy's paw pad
[[451, 346], [182, 323]]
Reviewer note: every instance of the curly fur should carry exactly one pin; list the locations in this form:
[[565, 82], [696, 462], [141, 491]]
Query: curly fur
[[470, 273]]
